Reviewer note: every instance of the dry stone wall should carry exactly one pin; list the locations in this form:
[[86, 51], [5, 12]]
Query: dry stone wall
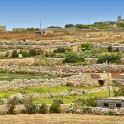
[[81, 79], [74, 70], [53, 45]]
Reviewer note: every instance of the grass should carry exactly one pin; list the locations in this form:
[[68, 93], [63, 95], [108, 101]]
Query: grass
[[38, 89], [3, 50], [56, 89], [71, 99], [10, 77]]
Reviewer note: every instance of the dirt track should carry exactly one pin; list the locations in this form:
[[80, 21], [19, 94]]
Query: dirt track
[[60, 119]]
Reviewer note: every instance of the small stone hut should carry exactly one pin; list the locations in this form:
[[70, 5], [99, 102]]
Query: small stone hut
[[111, 103]]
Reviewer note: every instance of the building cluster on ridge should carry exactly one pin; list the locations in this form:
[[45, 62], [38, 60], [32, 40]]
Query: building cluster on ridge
[[113, 22]]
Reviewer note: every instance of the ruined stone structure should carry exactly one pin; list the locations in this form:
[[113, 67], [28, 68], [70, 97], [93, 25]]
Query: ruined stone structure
[[2, 28]]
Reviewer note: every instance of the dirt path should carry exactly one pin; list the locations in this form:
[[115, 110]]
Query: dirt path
[[60, 119]]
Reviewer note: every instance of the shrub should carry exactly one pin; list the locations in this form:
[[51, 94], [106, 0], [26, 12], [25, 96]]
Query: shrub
[[113, 58], [69, 84], [109, 49], [111, 113], [43, 109], [87, 110], [116, 50], [86, 102], [31, 108], [55, 107], [39, 52], [72, 57], [1, 102], [14, 54], [119, 92], [62, 50], [32, 52], [59, 50], [7, 54], [25, 53], [11, 103], [60, 101], [86, 46]]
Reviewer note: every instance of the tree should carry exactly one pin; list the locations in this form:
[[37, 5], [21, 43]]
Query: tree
[[69, 26], [120, 25], [54, 27], [81, 26]]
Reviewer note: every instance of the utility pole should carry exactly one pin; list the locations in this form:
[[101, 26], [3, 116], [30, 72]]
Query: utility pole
[[40, 24], [107, 71]]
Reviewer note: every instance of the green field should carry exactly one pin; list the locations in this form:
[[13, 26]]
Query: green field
[[56, 89], [10, 77]]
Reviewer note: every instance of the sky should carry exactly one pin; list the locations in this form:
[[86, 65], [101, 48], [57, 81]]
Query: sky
[[28, 13]]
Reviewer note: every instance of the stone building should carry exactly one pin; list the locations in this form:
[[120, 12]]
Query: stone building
[[2, 28], [18, 29], [45, 31], [111, 103]]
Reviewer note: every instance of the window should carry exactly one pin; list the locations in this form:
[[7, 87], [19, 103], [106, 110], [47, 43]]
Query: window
[[118, 104], [106, 104]]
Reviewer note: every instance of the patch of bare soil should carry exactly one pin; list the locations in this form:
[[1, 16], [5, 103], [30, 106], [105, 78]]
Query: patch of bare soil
[[60, 119]]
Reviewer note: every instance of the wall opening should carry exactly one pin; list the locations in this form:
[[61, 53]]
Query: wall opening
[[106, 105]]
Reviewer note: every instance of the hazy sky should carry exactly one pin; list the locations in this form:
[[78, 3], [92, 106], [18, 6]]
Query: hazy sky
[[27, 13]]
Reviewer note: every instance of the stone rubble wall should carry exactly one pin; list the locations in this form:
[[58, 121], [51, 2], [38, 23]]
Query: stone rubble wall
[[120, 80], [104, 111], [54, 70], [77, 80], [52, 45], [24, 61]]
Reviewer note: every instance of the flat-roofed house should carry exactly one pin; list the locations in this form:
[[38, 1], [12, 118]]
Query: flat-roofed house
[[111, 102]]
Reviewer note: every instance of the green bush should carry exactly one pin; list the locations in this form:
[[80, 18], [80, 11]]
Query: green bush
[[59, 50], [32, 52], [119, 92], [111, 113], [109, 49], [72, 57], [55, 107], [7, 55], [25, 53], [62, 50], [113, 58], [86, 46], [60, 101], [86, 102], [14, 54], [43, 109], [1, 102], [69, 84], [87, 110]]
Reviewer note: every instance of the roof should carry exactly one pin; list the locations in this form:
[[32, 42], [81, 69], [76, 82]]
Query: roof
[[118, 97]]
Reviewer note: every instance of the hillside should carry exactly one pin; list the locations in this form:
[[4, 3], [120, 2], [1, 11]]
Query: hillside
[[67, 35]]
